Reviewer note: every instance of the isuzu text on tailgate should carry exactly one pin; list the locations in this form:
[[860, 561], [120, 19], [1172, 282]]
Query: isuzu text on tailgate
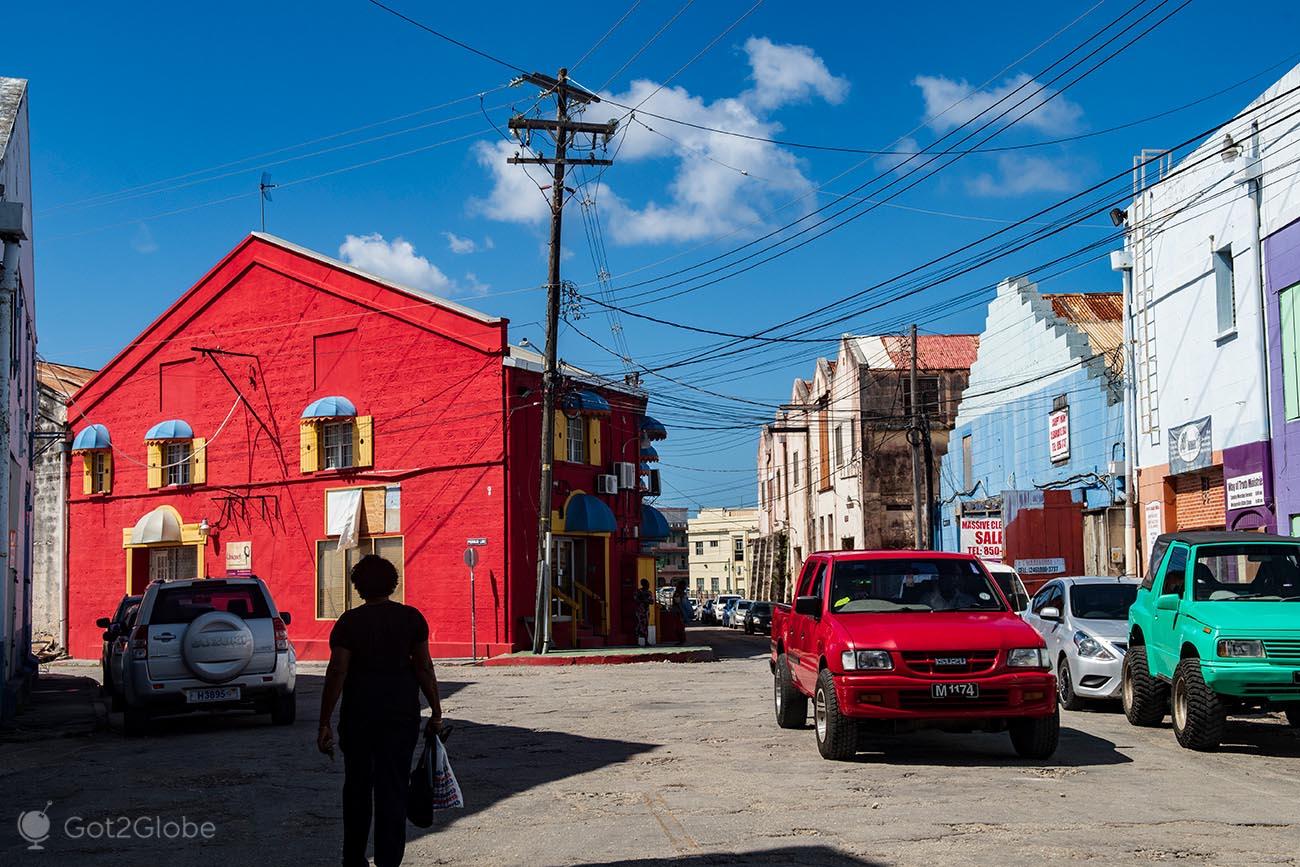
[[890, 640]]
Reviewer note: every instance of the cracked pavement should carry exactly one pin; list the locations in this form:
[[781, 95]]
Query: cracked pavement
[[668, 763]]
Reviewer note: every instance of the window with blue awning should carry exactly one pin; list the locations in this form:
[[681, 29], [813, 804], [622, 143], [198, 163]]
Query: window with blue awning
[[654, 526], [587, 514], [585, 402]]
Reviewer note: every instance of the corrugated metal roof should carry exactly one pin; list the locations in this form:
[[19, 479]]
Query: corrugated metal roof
[[62, 378], [1100, 315], [933, 351]]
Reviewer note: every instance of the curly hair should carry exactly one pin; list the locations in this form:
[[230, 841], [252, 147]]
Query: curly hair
[[374, 577]]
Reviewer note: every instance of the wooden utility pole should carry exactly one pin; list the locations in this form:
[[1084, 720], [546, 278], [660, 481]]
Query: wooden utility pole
[[914, 440], [564, 131]]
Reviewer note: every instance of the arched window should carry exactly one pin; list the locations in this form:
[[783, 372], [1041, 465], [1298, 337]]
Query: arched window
[[334, 437]]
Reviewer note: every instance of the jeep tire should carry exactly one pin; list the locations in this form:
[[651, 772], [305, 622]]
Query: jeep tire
[[1199, 715], [1146, 699], [1036, 737], [1065, 693], [284, 709], [1293, 716], [791, 705], [837, 735]]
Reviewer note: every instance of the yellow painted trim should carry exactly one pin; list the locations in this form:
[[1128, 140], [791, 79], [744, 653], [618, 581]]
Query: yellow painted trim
[[130, 555], [200, 568]]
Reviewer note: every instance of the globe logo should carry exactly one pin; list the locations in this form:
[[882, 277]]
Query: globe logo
[[34, 827]]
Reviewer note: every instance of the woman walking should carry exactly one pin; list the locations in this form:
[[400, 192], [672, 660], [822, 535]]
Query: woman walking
[[379, 664], [642, 602]]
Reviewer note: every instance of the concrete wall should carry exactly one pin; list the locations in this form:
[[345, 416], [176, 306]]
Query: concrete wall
[[716, 531], [50, 525]]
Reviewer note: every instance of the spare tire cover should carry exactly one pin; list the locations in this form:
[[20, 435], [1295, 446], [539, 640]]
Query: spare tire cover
[[217, 646]]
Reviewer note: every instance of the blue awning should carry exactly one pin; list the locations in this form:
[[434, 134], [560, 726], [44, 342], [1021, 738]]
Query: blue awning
[[585, 402], [172, 429], [333, 406], [649, 455], [653, 429], [92, 438], [654, 526], [586, 514]]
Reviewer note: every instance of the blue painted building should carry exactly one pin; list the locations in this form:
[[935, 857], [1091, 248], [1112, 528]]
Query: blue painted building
[[1034, 474]]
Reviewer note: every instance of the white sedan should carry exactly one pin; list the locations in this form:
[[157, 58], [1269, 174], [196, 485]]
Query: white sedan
[[1085, 624]]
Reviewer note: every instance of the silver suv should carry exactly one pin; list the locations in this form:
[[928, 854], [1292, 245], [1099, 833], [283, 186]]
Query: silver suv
[[206, 644]]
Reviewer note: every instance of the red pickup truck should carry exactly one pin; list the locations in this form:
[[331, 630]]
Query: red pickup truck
[[897, 640]]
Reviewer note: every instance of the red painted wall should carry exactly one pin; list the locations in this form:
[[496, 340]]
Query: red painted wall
[[1054, 530], [430, 376]]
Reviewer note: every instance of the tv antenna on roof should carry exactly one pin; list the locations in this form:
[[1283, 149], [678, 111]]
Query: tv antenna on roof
[[264, 189]]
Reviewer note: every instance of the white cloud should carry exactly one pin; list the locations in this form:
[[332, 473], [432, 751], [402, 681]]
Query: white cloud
[[143, 241], [461, 246], [709, 193], [395, 260], [790, 73], [472, 286], [950, 103], [1018, 175]]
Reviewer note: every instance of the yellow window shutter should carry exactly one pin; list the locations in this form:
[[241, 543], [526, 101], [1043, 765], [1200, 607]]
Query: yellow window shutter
[[593, 441], [363, 444], [108, 473], [155, 465], [88, 472], [199, 461], [560, 437], [309, 446]]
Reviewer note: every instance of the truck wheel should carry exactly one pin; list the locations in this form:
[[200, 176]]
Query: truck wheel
[[135, 722], [1293, 716], [1145, 698], [837, 735], [1065, 687], [284, 709], [1036, 738], [116, 703], [1198, 714], [791, 704]]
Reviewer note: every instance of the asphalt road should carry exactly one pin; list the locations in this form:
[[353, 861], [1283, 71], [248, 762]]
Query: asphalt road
[[661, 763]]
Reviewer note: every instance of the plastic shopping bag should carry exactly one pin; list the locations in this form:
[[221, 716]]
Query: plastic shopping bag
[[446, 791]]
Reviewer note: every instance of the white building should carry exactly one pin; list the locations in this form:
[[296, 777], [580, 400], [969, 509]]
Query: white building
[[718, 541], [17, 393]]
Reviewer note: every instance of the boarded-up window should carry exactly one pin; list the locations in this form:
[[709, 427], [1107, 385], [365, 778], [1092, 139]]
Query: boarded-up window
[[177, 387], [334, 592], [967, 472], [824, 443], [338, 364]]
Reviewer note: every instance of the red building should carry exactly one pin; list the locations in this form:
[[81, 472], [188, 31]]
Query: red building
[[287, 400]]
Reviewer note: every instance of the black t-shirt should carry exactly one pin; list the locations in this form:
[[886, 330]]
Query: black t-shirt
[[381, 682]]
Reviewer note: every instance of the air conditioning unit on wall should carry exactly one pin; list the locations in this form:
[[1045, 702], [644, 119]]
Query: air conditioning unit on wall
[[626, 474], [652, 488], [607, 484]]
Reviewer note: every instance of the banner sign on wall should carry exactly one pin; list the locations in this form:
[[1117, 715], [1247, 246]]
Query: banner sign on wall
[[982, 536], [1058, 435], [1155, 521], [1191, 446], [1244, 492]]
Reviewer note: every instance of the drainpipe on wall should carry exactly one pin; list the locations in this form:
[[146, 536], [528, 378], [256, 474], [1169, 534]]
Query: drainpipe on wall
[[1253, 175], [1122, 261]]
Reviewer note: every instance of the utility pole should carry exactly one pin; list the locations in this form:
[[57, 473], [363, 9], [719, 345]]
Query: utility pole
[[563, 131], [914, 440]]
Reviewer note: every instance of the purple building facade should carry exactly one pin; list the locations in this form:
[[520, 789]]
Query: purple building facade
[[1282, 272]]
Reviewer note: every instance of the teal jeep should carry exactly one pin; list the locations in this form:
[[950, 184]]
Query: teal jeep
[[1215, 629]]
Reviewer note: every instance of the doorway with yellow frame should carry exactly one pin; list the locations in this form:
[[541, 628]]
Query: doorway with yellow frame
[[162, 547]]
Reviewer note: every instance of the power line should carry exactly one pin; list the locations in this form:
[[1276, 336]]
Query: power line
[[601, 41], [470, 48]]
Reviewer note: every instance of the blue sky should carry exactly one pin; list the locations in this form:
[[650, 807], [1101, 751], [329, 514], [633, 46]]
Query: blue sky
[[147, 126]]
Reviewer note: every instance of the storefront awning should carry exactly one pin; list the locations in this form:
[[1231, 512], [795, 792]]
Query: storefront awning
[[585, 402], [172, 429], [654, 526], [653, 429], [93, 438], [649, 455], [160, 525], [586, 514], [333, 406]]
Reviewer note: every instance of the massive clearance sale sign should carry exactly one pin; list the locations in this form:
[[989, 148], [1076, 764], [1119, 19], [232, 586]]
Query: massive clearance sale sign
[[982, 536]]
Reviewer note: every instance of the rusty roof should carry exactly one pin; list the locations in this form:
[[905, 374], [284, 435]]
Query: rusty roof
[[62, 378], [1100, 315], [933, 351]]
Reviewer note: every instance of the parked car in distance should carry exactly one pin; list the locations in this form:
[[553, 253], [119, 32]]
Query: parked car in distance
[[758, 618], [209, 644], [1214, 630], [706, 612], [898, 640], [116, 634], [720, 606], [1010, 583], [738, 611], [1085, 624]]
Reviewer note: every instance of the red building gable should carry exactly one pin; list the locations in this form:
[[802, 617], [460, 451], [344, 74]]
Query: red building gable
[[258, 405]]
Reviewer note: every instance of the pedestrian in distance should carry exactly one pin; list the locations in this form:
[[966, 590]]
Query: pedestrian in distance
[[379, 664], [641, 609], [682, 605]]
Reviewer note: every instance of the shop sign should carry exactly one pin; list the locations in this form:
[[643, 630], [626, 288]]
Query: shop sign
[[239, 558], [982, 536], [1058, 435], [1191, 446], [1246, 491], [1041, 566], [1155, 519]]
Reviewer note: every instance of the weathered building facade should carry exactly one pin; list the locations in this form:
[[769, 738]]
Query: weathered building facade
[[719, 542]]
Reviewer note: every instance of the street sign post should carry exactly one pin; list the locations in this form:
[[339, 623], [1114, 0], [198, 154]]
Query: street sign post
[[471, 560]]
